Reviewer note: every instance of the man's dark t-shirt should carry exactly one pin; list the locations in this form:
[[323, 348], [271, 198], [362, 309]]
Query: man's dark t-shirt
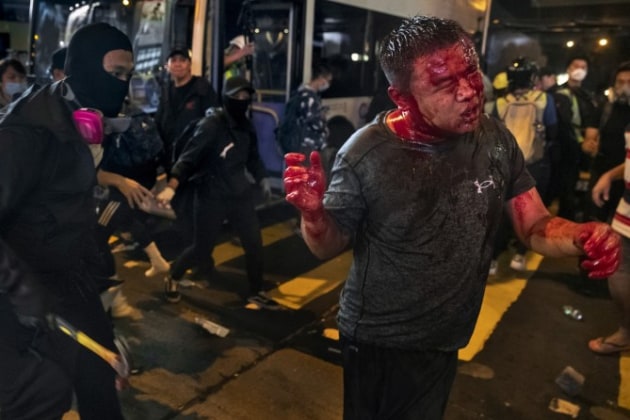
[[423, 219], [179, 94]]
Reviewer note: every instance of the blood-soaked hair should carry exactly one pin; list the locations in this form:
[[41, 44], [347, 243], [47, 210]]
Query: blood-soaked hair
[[414, 38]]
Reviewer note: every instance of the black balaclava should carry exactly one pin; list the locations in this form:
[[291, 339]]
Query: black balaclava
[[237, 108], [91, 84]]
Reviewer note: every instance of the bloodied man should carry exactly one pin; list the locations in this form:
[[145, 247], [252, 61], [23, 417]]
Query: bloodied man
[[418, 194]]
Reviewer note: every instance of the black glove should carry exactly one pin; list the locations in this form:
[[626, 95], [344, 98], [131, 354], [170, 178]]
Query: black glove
[[25, 293]]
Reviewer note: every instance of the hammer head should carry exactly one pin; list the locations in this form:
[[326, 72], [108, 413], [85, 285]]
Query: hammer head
[[124, 365]]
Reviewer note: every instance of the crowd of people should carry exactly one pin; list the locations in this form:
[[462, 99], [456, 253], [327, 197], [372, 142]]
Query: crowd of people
[[431, 181], [78, 163]]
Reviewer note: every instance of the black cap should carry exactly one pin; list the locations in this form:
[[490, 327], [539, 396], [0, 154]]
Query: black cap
[[235, 84], [520, 74], [184, 52], [58, 59]]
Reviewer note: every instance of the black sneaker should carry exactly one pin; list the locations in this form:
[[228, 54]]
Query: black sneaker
[[263, 301], [171, 294]]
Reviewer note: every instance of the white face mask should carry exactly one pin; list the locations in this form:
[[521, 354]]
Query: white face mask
[[578, 74], [324, 86], [13, 88]]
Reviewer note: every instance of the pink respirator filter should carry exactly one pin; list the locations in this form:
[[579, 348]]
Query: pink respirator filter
[[89, 123]]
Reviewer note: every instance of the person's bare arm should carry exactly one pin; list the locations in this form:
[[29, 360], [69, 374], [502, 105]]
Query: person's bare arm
[[135, 193], [601, 190], [305, 190], [236, 54], [558, 237]]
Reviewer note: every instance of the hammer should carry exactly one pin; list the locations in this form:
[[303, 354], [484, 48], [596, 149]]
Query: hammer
[[120, 362]]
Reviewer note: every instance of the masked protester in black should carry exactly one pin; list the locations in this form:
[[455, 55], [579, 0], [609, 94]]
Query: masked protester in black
[[47, 213], [214, 160]]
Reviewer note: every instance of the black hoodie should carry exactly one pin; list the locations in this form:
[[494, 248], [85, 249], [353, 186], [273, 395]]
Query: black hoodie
[[46, 181]]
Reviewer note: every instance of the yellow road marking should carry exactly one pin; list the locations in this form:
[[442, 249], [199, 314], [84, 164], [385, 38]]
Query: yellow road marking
[[331, 333], [227, 251], [132, 263], [623, 399], [498, 298], [301, 290]]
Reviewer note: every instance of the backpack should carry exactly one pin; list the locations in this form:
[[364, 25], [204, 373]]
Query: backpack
[[290, 132], [523, 116], [139, 144], [183, 138]]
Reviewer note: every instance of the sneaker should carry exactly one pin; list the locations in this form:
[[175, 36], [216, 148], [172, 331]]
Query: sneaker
[[122, 309], [261, 300], [494, 268], [171, 294], [518, 262]]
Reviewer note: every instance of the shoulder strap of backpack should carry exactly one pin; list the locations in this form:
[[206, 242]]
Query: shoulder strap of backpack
[[502, 105]]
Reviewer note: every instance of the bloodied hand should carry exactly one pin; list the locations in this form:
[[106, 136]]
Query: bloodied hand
[[305, 185], [602, 249]]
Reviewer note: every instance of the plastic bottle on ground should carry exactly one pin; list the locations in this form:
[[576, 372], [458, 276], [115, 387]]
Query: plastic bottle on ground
[[211, 327], [572, 312]]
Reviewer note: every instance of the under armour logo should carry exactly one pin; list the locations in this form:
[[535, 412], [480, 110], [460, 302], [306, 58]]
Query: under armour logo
[[485, 184]]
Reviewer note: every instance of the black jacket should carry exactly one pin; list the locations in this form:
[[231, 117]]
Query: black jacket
[[218, 154], [171, 122], [47, 177]]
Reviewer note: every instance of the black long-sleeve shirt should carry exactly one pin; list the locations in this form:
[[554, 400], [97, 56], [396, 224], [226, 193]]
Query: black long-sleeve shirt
[[218, 154]]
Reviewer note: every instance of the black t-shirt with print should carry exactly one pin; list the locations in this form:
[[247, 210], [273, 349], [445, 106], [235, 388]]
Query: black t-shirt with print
[[423, 219]]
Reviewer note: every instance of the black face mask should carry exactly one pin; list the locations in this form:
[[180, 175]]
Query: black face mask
[[92, 85], [237, 108]]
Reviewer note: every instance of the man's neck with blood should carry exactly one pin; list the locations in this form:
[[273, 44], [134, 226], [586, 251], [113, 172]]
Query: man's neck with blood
[[411, 126]]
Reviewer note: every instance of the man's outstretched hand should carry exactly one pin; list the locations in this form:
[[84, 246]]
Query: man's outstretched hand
[[602, 249], [305, 186]]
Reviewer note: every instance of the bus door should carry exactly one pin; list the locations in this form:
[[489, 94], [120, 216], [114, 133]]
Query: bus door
[[273, 30]]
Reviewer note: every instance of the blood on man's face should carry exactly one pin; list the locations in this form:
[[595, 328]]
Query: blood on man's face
[[446, 91]]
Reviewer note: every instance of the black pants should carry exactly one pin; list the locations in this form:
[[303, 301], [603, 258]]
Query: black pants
[[39, 370], [210, 212], [383, 383]]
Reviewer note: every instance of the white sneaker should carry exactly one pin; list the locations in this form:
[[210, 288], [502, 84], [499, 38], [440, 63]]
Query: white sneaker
[[122, 309], [494, 268], [154, 270], [518, 263]]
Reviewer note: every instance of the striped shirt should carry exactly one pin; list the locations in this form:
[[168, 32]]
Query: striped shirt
[[621, 221]]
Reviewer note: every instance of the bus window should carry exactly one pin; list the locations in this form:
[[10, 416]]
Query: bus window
[[271, 36], [182, 23], [345, 37]]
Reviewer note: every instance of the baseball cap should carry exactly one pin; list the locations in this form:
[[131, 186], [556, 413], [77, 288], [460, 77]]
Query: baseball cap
[[235, 84], [184, 52]]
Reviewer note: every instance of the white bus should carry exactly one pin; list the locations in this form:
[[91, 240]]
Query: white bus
[[292, 35]]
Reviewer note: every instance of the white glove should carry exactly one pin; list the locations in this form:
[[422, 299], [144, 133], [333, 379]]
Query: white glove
[[166, 195], [266, 188]]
